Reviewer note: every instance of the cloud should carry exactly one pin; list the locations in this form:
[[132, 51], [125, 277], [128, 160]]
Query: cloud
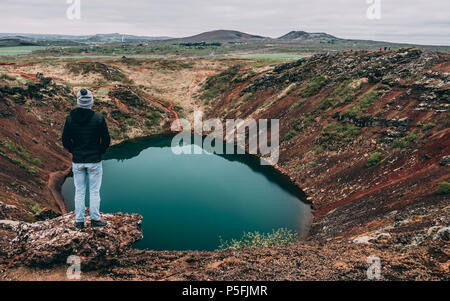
[[413, 21]]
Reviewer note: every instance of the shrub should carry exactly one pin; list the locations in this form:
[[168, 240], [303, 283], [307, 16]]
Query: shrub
[[37, 161], [399, 143], [373, 159], [115, 133], [35, 208], [280, 237], [411, 137], [291, 134], [337, 133], [426, 126], [443, 188], [318, 150]]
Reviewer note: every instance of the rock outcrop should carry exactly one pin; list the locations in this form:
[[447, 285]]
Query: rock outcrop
[[52, 241]]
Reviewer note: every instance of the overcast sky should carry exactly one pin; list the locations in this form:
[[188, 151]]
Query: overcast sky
[[412, 21]]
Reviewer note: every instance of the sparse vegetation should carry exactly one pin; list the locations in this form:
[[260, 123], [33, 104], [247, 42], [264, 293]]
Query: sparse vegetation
[[337, 133], [357, 110], [426, 126], [443, 188], [14, 148], [108, 72], [318, 150], [280, 237], [373, 159], [154, 118], [115, 133], [217, 84], [406, 141], [291, 134], [314, 85]]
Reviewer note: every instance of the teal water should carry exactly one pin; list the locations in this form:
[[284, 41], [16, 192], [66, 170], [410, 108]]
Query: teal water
[[189, 201]]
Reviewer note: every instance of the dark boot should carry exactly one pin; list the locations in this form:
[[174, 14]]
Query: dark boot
[[79, 225], [98, 224]]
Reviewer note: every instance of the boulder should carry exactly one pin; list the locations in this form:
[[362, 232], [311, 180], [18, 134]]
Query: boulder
[[52, 241]]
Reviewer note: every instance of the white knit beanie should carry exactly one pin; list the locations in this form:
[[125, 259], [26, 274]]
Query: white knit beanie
[[85, 99]]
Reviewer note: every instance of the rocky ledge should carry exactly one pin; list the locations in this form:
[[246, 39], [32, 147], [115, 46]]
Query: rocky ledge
[[52, 241]]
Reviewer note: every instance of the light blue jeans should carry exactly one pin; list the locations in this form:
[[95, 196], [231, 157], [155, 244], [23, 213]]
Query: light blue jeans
[[81, 173]]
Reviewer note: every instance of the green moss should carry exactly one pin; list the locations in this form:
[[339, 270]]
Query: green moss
[[373, 159], [443, 188]]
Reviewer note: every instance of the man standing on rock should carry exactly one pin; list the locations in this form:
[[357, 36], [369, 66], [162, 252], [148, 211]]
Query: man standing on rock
[[86, 136]]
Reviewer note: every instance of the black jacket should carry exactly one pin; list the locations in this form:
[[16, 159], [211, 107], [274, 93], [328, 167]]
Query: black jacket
[[85, 135]]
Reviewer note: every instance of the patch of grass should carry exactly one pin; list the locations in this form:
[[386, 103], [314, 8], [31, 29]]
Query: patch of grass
[[411, 137], [18, 50], [115, 133], [382, 87], [154, 118], [314, 85], [357, 110], [298, 104], [313, 163], [342, 94], [217, 84], [399, 143], [21, 152], [318, 150], [279, 237], [426, 126], [406, 141], [373, 159], [337, 133], [20, 163], [443, 188], [291, 134], [35, 208]]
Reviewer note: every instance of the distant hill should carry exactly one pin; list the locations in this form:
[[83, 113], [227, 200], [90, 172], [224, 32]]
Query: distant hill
[[12, 42], [219, 35], [303, 35], [117, 37], [97, 38]]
